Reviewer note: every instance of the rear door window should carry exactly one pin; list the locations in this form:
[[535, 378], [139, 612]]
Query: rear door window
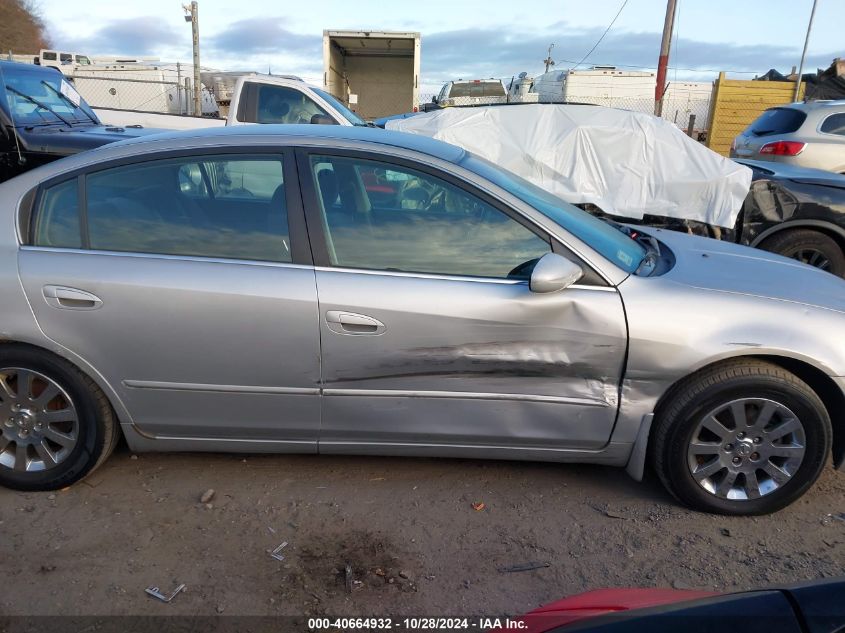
[[834, 124], [777, 121], [223, 206]]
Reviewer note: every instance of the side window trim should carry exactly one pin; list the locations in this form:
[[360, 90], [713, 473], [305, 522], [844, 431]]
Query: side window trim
[[317, 234], [82, 198]]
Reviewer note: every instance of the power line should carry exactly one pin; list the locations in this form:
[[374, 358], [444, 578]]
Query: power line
[[609, 26]]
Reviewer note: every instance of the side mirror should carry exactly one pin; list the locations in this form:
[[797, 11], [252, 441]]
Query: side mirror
[[434, 99], [553, 273], [323, 119]]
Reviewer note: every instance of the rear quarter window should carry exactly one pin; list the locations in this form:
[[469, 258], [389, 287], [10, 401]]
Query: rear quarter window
[[56, 222], [777, 121], [834, 124]]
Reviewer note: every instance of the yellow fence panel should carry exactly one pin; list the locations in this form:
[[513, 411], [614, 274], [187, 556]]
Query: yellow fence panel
[[737, 102]]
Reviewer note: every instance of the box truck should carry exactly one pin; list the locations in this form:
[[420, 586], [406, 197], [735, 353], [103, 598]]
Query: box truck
[[374, 73]]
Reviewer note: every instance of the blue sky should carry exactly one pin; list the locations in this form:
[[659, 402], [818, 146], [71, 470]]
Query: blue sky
[[462, 38]]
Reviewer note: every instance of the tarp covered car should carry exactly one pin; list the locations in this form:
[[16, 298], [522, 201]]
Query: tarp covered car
[[626, 163]]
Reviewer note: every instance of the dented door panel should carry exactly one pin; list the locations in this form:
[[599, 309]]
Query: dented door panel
[[469, 361]]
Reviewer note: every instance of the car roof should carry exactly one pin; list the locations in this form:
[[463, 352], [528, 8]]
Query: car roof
[[288, 134], [811, 106]]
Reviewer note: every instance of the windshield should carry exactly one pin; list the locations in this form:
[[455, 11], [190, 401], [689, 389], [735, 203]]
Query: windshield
[[347, 114], [60, 99], [612, 243]]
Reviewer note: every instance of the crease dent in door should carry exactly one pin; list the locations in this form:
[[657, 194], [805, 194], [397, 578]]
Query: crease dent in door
[[577, 365]]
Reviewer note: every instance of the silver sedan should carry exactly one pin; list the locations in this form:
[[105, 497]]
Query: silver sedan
[[311, 289]]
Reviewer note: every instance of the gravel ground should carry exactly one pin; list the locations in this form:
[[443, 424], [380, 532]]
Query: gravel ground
[[413, 531]]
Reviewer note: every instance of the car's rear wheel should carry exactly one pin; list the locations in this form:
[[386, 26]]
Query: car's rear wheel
[[810, 247], [56, 426], [745, 437]]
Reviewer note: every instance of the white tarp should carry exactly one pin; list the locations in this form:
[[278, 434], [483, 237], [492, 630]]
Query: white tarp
[[626, 163]]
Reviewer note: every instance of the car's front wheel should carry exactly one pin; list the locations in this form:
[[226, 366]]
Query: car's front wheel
[[809, 247], [745, 437], [56, 426]]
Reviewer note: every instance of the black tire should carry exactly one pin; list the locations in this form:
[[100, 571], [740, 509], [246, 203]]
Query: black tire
[[98, 431], [806, 244], [678, 417]]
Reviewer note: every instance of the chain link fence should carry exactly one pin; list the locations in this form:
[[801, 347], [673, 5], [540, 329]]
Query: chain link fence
[[145, 95], [678, 111]]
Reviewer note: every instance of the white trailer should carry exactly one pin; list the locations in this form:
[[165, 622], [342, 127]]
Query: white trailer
[[685, 98], [602, 85], [141, 86], [627, 90], [374, 73]]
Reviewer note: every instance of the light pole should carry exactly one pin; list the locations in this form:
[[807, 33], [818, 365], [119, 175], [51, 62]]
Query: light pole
[[192, 16], [663, 60], [804, 52], [549, 62]]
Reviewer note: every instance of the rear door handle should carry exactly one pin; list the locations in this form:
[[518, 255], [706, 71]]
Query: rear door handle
[[71, 298], [351, 323]]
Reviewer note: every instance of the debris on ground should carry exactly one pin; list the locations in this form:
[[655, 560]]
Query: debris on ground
[[276, 552], [478, 506], [524, 567], [725, 532], [347, 576], [155, 592], [207, 496]]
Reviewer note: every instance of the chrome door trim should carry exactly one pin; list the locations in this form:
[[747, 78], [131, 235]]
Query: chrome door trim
[[188, 258], [237, 440], [480, 280], [191, 386], [464, 395]]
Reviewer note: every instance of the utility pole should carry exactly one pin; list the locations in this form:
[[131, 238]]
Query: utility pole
[[663, 61], [549, 62], [192, 16], [804, 52]]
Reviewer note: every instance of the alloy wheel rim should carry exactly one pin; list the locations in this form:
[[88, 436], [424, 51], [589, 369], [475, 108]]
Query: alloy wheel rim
[[39, 425], [814, 258], [746, 449]]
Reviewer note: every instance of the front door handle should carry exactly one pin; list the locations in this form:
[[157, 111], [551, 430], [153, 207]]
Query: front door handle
[[71, 298], [351, 323]]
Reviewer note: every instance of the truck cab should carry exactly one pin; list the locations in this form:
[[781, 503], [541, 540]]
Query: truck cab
[[464, 92], [286, 99], [64, 61]]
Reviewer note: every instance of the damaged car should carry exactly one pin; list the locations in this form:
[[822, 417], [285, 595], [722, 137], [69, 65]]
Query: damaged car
[[319, 289], [792, 211], [639, 169]]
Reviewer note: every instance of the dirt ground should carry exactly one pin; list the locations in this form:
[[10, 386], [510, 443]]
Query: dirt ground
[[408, 528]]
